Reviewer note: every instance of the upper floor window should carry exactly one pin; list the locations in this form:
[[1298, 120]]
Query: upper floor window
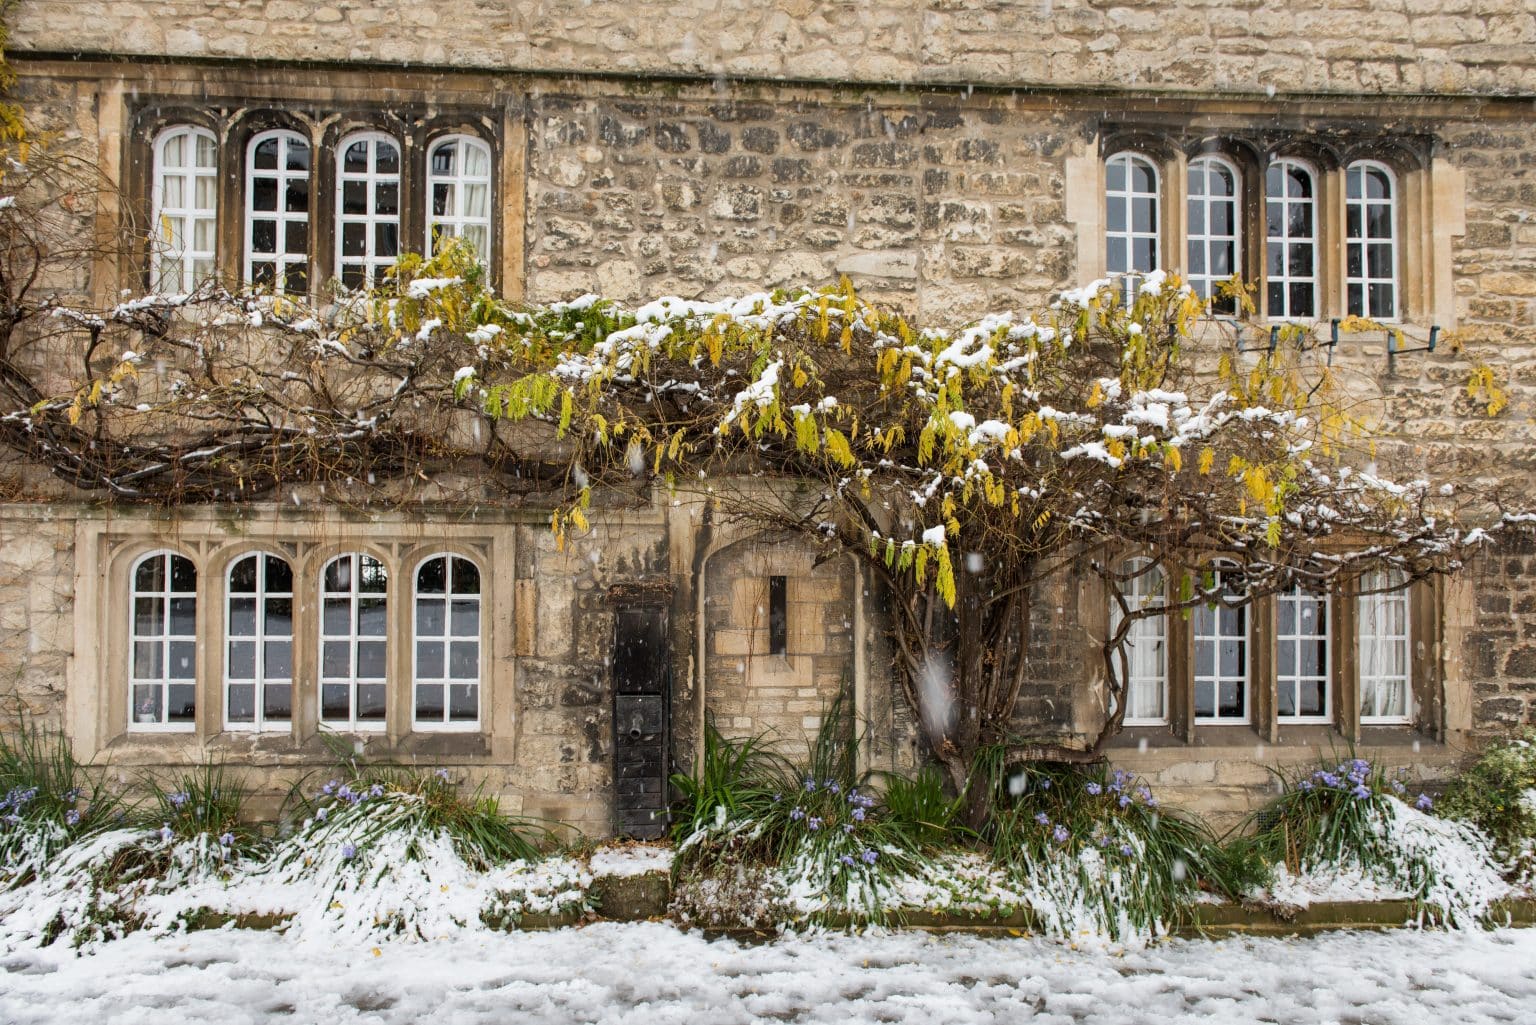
[[1384, 657], [1132, 212], [185, 208], [258, 663], [1146, 647], [163, 643], [1370, 262], [277, 212], [447, 642], [459, 184], [367, 208], [1303, 654], [1215, 233], [354, 625], [1290, 246]]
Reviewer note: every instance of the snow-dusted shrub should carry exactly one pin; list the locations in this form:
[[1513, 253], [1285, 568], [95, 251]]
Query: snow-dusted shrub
[[762, 838], [47, 801], [1093, 852], [1498, 795], [1352, 822]]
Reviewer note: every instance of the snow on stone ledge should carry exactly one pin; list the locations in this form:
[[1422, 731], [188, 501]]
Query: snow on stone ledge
[[624, 862]]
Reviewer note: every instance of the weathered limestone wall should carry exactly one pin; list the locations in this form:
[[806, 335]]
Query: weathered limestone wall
[[932, 207], [751, 691], [36, 612], [1394, 46]]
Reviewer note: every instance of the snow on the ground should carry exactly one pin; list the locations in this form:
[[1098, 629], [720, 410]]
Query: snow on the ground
[[633, 860], [650, 972]]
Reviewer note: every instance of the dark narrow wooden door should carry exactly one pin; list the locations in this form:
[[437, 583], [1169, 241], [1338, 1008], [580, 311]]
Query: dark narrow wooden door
[[641, 698]]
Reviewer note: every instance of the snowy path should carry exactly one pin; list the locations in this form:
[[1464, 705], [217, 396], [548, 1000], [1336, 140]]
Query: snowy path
[[648, 973]]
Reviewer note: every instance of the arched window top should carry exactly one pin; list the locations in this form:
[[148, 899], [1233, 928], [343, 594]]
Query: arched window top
[[185, 207], [1369, 179], [1290, 178], [1214, 175], [1132, 172]]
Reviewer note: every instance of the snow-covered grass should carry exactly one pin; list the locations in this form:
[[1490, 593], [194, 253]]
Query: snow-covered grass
[[613, 974], [1346, 833]]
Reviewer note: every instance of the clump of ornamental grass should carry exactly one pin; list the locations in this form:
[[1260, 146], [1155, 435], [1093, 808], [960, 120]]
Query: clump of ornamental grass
[[48, 800], [1093, 850], [1353, 820], [761, 837], [1498, 795], [201, 810], [391, 852], [919, 806]]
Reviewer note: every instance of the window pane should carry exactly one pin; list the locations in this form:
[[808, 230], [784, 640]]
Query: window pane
[[466, 619], [183, 661], [356, 159], [464, 702], [432, 578], [278, 702], [336, 659], [242, 703], [337, 618], [264, 194], [443, 158], [466, 577], [429, 660], [334, 701], [429, 702], [1313, 701], [183, 575], [1143, 215], [298, 155], [338, 574], [297, 199], [1302, 295], [1382, 302], [388, 159], [354, 198], [464, 660], [242, 576], [150, 575], [242, 616], [148, 616], [386, 200], [386, 239], [1378, 262], [181, 703], [279, 617], [148, 660], [278, 660], [370, 660], [264, 236], [1145, 252], [1378, 220], [371, 617], [373, 579], [146, 704], [370, 702], [429, 617]]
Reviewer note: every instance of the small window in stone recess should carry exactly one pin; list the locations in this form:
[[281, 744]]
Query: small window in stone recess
[[778, 615]]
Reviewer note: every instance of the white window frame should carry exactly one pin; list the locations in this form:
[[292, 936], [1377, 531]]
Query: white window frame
[[372, 263], [258, 683], [1379, 590], [188, 214], [1207, 241], [165, 639], [448, 599], [456, 221], [1215, 637], [1146, 645], [1287, 242], [281, 258], [1364, 241], [1294, 596], [353, 638], [1129, 196]]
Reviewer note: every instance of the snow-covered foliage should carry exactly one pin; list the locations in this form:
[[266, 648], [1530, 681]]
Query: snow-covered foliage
[[1498, 795], [1348, 829]]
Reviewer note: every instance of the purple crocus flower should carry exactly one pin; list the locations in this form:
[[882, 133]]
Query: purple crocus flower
[[1424, 802], [1042, 818], [1060, 834]]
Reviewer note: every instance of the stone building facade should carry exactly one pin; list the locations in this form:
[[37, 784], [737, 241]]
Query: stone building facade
[[950, 158]]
